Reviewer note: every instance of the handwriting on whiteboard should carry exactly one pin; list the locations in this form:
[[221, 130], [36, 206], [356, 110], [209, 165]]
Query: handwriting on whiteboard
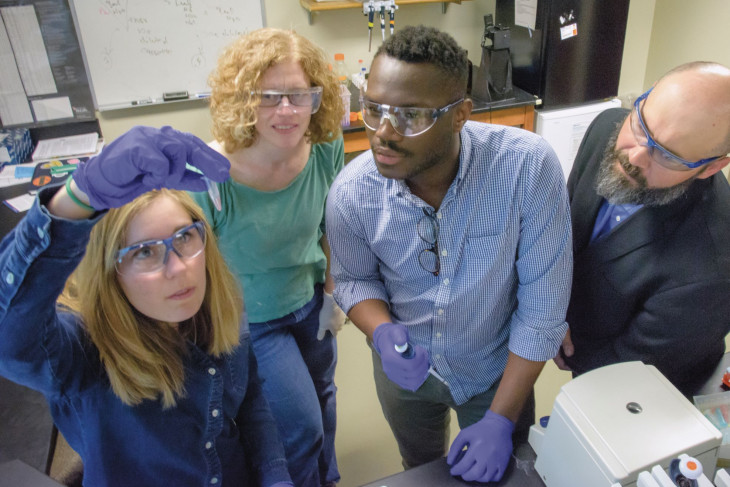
[[138, 49]]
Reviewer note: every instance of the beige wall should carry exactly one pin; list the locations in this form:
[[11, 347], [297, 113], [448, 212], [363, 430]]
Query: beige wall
[[687, 31], [636, 47]]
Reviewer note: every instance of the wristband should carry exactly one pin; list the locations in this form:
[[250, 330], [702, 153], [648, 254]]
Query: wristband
[[75, 198]]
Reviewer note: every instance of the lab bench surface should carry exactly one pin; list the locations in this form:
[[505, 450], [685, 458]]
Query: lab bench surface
[[8, 218], [520, 473], [516, 112], [19, 474]]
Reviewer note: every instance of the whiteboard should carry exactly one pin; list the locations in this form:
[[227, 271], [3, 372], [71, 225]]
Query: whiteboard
[[137, 50]]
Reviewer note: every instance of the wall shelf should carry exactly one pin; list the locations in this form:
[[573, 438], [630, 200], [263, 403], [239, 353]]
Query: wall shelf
[[313, 6]]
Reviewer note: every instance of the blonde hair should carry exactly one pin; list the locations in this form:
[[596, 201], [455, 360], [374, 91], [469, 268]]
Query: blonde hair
[[234, 109], [143, 357]]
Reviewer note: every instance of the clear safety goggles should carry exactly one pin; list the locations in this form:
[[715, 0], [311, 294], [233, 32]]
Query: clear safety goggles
[[662, 156], [297, 99], [151, 256], [406, 121]]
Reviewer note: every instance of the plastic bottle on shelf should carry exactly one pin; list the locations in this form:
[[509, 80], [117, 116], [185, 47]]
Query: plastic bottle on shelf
[[341, 72], [358, 78], [340, 68]]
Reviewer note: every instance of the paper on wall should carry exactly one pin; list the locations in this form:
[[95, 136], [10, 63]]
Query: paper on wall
[[525, 13]]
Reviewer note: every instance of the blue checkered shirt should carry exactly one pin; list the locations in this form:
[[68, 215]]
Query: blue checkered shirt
[[505, 250]]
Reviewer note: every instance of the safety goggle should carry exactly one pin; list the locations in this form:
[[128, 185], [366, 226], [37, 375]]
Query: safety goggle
[[406, 121], [306, 98], [662, 156], [152, 255]]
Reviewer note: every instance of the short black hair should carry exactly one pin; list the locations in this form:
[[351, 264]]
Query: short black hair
[[422, 44]]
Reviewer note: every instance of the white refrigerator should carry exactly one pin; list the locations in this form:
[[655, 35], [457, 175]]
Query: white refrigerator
[[564, 128]]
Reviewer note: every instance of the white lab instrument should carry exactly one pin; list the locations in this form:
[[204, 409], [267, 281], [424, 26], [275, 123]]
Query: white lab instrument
[[722, 478], [610, 424]]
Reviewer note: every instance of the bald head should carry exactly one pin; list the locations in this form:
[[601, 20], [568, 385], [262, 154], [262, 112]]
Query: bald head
[[696, 97]]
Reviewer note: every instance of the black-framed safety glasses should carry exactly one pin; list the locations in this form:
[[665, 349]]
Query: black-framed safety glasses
[[428, 231]]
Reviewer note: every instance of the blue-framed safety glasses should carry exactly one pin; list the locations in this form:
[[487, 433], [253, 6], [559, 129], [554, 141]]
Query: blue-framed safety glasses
[[662, 156]]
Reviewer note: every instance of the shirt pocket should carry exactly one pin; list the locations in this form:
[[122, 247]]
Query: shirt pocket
[[399, 260], [489, 260]]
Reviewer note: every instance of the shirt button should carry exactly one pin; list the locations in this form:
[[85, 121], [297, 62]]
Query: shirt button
[[208, 445], [438, 335], [444, 253], [41, 233], [441, 312], [214, 480], [446, 281], [214, 413], [9, 278], [438, 215], [211, 371], [437, 356], [618, 218]]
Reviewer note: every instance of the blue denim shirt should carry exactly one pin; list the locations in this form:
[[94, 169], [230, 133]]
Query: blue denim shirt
[[220, 433]]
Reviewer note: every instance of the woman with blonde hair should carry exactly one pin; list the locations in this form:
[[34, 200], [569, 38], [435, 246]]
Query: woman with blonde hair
[[117, 305], [276, 112]]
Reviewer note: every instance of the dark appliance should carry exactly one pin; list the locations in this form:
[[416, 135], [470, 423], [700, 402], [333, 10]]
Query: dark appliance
[[493, 79], [573, 56]]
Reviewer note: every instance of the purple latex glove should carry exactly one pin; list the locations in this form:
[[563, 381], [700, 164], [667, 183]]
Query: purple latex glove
[[409, 373], [146, 158], [489, 443]]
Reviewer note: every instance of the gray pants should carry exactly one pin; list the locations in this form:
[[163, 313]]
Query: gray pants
[[420, 420]]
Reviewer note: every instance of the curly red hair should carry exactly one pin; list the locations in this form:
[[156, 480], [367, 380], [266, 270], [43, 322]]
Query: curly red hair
[[239, 71]]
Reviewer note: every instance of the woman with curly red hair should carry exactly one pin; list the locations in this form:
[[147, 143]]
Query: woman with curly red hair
[[276, 113]]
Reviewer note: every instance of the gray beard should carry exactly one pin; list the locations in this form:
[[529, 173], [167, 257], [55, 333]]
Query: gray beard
[[619, 190]]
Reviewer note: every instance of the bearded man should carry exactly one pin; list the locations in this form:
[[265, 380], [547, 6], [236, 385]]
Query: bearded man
[[651, 231]]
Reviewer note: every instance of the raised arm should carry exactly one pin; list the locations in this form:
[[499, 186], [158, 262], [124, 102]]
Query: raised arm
[[39, 254]]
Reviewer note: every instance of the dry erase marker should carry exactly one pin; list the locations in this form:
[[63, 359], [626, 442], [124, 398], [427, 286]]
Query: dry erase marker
[[215, 195]]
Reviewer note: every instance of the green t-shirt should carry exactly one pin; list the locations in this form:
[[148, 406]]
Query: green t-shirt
[[270, 239]]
